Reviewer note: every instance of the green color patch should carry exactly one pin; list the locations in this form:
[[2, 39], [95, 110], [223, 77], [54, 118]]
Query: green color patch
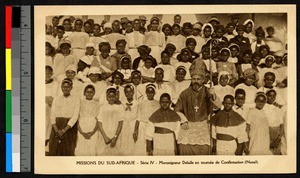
[[8, 113]]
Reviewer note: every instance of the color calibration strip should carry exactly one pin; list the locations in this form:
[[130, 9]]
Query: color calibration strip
[[8, 98], [18, 88]]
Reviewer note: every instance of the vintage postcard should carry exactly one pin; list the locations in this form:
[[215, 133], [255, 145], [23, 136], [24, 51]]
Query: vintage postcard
[[168, 89]]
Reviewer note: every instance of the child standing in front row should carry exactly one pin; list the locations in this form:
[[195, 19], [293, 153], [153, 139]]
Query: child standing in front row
[[130, 121], [110, 120], [87, 124], [146, 109], [162, 130], [258, 128]]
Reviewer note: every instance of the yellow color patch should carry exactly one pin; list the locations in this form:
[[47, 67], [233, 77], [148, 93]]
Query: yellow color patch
[[8, 68]]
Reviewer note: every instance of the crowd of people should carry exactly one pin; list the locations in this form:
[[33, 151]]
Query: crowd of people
[[126, 88]]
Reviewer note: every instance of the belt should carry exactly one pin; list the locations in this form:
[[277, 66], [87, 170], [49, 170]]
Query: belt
[[225, 137], [162, 130]]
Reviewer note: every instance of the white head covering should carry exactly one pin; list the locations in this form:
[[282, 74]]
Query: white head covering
[[90, 44], [71, 67], [249, 20], [94, 70], [224, 73], [207, 24], [107, 25]]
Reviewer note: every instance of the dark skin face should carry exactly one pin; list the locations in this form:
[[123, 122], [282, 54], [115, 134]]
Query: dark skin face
[[228, 103], [136, 79], [55, 21], [214, 53], [159, 75], [205, 54], [136, 25], [224, 55], [104, 51], [248, 28], [94, 77], [66, 88], [150, 92], [78, 26], [270, 32], [230, 29], [116, 27], [148, 63], [89, 93], [219, 33], [165, 59], [240, 32], [171, 51], [128, 93], [49, 74], [167, 31], [117, 79], [60, 33], [154, 25], [260, 102], [264, 52], [70, 74], [185, 56], [259, 38], [87, 28], [177, 19], [234, 51], [129, 28], [247, 58], [111, 97], [207, 32], [250, 80], [125, 64], [65, 49], [67, 25], [176, 30], [96, 30], [121, 48], [48, 50], [224, 80], [240, 99], [196, 31], [180, 75], [165, 103], [269, 62], [256, 60], [191, 46], [107, 30], [90, 50], [269, 81], [271, 97], [187, 31]]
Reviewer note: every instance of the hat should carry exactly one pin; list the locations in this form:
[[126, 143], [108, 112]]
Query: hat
[[205, 25], [187, 25], [197, 26], [249, 21], [67, 80], [142, 17], [111, 89], [234, 45], [181, 67], [124, 20], [197, 71], [213, 19], [94, 70], [67, 42], [260, 94], [90, 45], [223, 73], [117, 73], [107, 25], [123, 41], [154, 18], [136, 72], [226, 49], [71, 67], [151, 86], [248, 72]]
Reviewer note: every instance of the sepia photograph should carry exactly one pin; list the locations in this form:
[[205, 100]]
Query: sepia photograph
[[192, 89]]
